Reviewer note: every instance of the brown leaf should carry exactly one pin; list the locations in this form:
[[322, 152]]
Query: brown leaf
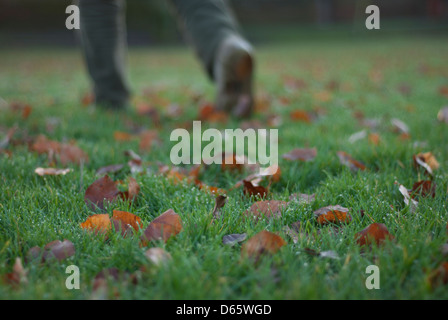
[[332, 214], [54, 250], [255, 191], [133, 190], [374, 233], [109, 169], [220, 201], [269, 209], [348, 161], [163, 227], [261, 243], [101, 190], [424, 188], [301, 154]]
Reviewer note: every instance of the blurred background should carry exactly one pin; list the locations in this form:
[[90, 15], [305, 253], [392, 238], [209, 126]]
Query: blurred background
[[42, 22]]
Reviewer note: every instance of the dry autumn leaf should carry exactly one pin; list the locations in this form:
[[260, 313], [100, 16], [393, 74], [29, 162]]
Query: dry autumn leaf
[[301, 154], [348, 161], [301, 115], [332, 214], [105, 190], [261, 243], [127, 219], [269, 209], [427, 161], [374, 233], [51, 171], [98, 223], [407, 198], [220, 201], [424, 188], [100, 191], [163, 227], [59, 250], [255, 191]]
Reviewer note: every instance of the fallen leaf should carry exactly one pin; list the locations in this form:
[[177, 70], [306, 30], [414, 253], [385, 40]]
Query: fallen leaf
[[51, 171], [348, 161], [163, 227], [127, 219], [268, 208], [220, 201], [109, 169], [98, 223], [255, 191], [232, 239], [424, 188], [301, 154], [374, 233], [332, 214], [407, 198], [122, 136], [301, 115], [100, 191], [427, 161], [374, 138], [261, 243]]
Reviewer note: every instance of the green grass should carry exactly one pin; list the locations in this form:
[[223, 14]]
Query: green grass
[[36, 210]]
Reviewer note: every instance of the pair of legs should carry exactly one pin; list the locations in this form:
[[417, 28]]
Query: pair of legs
[[210, 29]]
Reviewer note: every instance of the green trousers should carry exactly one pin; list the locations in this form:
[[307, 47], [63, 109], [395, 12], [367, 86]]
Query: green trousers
[[103, 40]]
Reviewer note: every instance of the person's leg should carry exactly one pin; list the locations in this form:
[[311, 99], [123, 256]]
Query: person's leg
[[224, 53], [103, 41]]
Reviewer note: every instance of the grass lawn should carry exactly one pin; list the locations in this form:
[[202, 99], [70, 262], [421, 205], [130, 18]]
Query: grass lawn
[[340, 84]]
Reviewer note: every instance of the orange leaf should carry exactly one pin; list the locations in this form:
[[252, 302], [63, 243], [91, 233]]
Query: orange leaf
[[98, 223], [127, 218], [332, 214]]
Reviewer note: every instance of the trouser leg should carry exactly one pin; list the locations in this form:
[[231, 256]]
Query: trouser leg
[[103, 41], [205, 24]]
